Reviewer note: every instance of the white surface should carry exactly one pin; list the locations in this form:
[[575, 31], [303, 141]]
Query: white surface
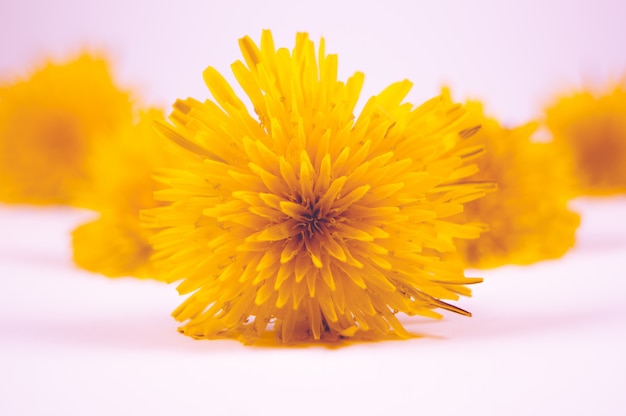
[[546, 339]]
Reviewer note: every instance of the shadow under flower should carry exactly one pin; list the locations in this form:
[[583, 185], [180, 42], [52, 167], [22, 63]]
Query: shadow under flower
[[151, 333]]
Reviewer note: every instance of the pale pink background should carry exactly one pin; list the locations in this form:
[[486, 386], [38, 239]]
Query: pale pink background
[[544, 340]]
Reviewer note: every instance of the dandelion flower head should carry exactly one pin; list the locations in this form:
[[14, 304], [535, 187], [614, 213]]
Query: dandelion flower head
[[47, 123], [528, 217], [593, 127], [305, 220], [122, 184]]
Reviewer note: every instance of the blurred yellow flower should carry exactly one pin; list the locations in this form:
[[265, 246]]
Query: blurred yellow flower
[[47, 124], [593, 126], [122, 184], [528, 217], [305, 220], [113, 245]]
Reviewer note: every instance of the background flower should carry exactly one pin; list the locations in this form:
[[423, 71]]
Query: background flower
[[121, 169], [592, 126], [528, 218], [47, 126]]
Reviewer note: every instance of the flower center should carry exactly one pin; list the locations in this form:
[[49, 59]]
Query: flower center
[[311, 221], [314, 223]]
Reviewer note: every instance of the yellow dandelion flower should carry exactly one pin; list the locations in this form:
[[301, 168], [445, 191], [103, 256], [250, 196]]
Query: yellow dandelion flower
[[307, 221], [593, 126], [528, 217], [46, 127], [114, 245], [122, 184]]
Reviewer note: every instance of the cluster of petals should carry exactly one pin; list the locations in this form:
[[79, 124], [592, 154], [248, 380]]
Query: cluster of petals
[[48, 125], [591, 125], [528, 219], [306, 219], [121, 169]]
